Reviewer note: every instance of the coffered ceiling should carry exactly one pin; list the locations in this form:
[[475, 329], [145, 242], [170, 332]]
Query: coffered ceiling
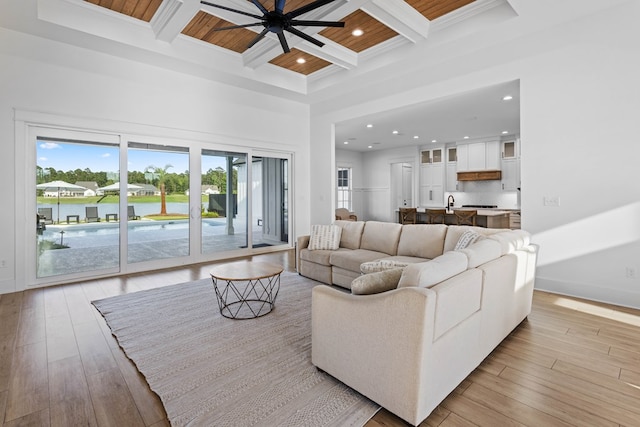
[[382, 23]]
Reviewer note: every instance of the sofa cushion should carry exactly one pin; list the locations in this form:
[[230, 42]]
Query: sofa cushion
[[381, 265], [422, 240], [455, 231], [376, 283], [468, 238], [381, 237], [324, 237], [511, 240], [481, 252], [405, 259], [351, 233], [352, 259], [427, 274], [319, 256]]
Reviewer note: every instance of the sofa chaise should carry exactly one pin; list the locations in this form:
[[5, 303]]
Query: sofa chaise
[[442, 310]]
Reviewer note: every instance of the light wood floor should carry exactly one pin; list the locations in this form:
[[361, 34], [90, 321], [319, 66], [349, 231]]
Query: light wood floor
[[572, 363]]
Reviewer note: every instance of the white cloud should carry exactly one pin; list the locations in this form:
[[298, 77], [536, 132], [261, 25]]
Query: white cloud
[[105, 155], [49, 145], [42, 159]]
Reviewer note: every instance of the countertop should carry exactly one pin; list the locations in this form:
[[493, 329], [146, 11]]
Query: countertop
[[481, 212]]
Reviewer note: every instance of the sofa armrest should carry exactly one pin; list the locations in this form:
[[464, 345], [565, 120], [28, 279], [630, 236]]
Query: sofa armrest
[[377, 344], [302, 243]]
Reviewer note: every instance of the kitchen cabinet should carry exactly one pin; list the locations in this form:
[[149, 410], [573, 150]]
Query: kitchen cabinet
[[510, 174], [509, 150], [432, 177], [451, 177], [478, 156], [510, 164]]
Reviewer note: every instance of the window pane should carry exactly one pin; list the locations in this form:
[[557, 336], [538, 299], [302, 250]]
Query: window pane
[[158, 202], [77, 223], [270, 201], [224, 201]]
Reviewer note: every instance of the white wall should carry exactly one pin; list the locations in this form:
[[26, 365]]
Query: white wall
[[38, 75], [579, 104]]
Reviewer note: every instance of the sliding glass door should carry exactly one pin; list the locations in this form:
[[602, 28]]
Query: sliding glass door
[[224, 201], [103, 204], [157, 202], [76, 219], [270, 197]]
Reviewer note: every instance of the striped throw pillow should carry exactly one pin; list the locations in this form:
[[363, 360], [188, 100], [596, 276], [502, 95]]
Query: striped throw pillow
[[324, 237], [468, 238]]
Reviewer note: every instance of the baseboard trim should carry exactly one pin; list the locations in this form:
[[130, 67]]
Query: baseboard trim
[[7, 286], [591, 292]]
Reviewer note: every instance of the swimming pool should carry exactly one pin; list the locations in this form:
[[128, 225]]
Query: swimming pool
[[107, 234]]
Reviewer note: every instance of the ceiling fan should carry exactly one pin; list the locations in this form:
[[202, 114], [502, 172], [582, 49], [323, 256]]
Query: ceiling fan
[[276, 21]]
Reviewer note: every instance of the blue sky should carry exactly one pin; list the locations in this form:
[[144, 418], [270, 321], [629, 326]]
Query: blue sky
[[104, 158]]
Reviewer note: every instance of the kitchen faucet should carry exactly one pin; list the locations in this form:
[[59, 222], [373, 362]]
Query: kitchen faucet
[[450, 202]]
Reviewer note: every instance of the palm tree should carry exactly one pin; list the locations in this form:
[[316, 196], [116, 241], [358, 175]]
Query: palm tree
[[161, 175]]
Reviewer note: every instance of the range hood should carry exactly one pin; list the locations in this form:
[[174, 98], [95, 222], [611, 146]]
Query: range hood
[[487, 175]]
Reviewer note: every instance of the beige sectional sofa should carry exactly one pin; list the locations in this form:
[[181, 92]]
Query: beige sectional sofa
[[408, 347]]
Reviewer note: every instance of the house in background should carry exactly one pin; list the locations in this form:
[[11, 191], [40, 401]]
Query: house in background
[[145, 190], [91, 188], [576, 62]]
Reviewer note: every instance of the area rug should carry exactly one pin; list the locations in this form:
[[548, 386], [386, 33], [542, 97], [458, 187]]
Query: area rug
[[212, 371]]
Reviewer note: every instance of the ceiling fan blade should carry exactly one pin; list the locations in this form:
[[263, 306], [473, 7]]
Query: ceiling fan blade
[[260, 6], [305, 36], [308, 8], [283, 43], [230, 10], [317, 23], [258, 38], [280, 5], [233, 27]]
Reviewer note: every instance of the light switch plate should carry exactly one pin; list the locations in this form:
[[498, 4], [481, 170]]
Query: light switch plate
[[552, 201]]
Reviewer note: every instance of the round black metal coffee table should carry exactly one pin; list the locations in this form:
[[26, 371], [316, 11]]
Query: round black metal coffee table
[[246, 289]]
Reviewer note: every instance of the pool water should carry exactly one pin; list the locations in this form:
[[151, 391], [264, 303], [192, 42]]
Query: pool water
[[107, 234]]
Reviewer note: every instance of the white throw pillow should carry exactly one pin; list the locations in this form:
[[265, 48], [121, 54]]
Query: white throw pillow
[[381, 265], [324, 237], [467, 238], [376, 283]]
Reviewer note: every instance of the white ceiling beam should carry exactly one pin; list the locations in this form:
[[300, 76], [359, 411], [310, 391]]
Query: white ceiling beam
[[171, 18], [400, 17]]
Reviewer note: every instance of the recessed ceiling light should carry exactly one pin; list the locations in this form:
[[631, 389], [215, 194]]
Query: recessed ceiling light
[[507, 98], [395, 132], [504, 132], [433, 140], [301, 60], [369, 125], [357, 32], [371, 146], [466, 137], [416, 137], [346, 142]]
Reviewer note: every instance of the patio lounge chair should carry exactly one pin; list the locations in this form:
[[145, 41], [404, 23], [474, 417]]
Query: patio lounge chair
[[46, 215], [91, 214], [131, 212]]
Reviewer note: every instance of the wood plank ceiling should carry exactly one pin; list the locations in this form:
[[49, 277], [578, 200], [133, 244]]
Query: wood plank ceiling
[[204, 23]]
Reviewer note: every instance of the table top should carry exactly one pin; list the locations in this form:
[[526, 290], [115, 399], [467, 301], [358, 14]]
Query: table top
[[245, 270]]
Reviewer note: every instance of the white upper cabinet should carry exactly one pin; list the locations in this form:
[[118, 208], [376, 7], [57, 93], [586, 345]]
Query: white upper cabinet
[[462, 156], [509, 150], [510, 164], [452, 169], [478, 156], [432, 177]]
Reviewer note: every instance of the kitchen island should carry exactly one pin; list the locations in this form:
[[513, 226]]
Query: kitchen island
[[489, 218]]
